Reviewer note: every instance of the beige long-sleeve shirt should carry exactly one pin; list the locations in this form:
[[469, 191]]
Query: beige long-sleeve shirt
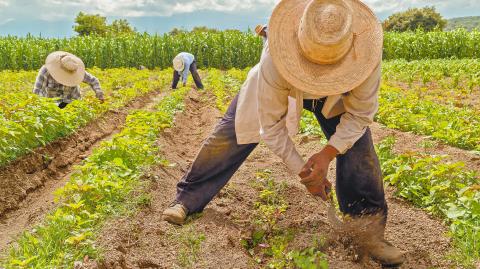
[[269, 109]]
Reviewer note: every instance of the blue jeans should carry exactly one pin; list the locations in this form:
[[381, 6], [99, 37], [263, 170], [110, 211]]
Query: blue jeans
[[359, 184]]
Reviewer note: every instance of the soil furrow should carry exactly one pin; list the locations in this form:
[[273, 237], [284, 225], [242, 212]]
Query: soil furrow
[[27, 185], [145, 241]]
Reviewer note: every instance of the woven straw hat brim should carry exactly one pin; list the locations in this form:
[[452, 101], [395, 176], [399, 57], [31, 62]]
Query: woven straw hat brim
[[178, 64], [344, 76], [62, 76]]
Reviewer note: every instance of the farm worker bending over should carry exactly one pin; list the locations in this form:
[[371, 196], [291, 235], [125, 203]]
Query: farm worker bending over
[[183, 64], [327, 55], [61, 76]]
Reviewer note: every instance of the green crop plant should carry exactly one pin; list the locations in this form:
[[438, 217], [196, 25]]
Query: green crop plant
[[445, 189], [28, 121], [97, 190], [406, 111], [222, 49]]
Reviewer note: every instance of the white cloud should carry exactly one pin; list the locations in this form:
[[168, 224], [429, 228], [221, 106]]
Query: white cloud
[[5, 21], [55, 10], [445, 6], [138, 8], [4, 3]]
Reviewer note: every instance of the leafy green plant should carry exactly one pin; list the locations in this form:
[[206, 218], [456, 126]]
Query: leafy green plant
[[28, 121], [445, 189], [406, 111], [97, 190]]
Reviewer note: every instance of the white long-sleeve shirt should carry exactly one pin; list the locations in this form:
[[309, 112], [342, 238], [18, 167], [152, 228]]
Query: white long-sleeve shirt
[[269, 109]]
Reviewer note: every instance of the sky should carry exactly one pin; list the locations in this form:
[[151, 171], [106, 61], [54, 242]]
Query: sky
[[54, 18]]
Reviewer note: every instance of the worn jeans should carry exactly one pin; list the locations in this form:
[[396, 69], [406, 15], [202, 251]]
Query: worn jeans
[[359, 184], [195, 75], [62, 105]]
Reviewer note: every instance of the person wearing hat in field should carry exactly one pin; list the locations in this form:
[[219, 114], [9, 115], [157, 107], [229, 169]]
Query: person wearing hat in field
[[61, 76], [327, 55], [183, 64], [262, 31]]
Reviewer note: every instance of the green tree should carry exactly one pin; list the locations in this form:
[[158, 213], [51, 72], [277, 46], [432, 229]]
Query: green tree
[[426, 18], [120, 27], [176, 31], [90, 24], [200, 29]]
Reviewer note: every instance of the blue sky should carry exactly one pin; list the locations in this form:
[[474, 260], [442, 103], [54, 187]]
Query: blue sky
[[54, 18]]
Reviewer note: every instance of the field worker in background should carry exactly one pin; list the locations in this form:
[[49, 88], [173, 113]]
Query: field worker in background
[[262, 31], [61, 76], [183, 64], [327, 55]]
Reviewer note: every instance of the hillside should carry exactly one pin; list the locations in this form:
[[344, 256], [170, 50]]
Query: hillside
[[468, 23]]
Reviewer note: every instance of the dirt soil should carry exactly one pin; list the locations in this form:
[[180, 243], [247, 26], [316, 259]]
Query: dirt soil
[[27, 185], [145, 241]]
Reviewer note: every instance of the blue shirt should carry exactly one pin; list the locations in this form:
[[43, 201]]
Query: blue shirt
[[187, 61]]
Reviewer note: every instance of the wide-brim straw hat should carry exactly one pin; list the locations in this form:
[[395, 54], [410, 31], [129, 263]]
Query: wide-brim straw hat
[[66, 68], [178, 64], [259, 28], [325, 47]]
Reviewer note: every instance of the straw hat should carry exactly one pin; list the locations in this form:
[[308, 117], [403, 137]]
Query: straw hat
[[178, 64], [325, 47], [66, 68], [260, 28]]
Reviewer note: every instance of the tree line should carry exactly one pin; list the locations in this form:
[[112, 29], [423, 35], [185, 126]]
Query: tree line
[[426, 19]]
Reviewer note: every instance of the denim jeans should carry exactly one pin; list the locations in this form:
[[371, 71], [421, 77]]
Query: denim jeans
[[359, 185], [195, 75]]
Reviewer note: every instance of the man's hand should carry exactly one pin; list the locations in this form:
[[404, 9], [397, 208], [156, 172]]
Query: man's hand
[[314, 173]]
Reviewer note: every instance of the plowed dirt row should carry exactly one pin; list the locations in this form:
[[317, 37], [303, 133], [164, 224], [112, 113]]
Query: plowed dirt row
[[27, 185], [145, 241]]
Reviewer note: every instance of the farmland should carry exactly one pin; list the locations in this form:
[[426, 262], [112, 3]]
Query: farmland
[[223, 50], [106, 211]]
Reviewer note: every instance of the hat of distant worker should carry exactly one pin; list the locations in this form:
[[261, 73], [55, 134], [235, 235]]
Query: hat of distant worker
[[325, 47], [259, 28], [66, 68], [178, 64]]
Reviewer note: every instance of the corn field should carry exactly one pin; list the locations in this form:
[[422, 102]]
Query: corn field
[[223, 50]]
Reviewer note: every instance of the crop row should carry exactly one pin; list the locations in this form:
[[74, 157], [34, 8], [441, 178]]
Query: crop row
[[447, 190], [405, 110], [101, 188], [222, 50], [28, 121]]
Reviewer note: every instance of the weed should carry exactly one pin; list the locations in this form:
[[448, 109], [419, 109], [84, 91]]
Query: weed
[[191, 241]]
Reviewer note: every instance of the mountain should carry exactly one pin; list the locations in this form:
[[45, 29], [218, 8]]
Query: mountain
[[468, 23]]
